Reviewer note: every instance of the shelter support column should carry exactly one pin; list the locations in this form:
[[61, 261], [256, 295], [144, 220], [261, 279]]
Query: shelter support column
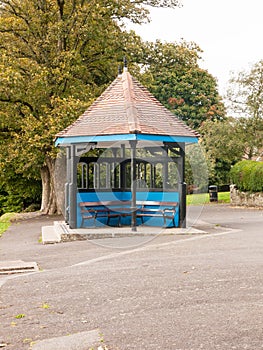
[[72, 187], [165, 168], [182, 187], [122, 168], [66, 214], [133, 184], [114, 169]]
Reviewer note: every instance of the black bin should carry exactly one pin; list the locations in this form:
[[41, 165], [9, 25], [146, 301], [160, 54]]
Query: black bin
[[213, 193]]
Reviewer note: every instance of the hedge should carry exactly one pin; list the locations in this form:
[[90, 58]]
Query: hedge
[[247, 175]]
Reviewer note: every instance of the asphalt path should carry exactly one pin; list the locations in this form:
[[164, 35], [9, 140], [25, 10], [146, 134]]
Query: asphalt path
[[178, 292]]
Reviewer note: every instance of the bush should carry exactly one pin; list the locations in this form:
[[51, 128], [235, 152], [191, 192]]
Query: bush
[[19, 194], [247, 175]]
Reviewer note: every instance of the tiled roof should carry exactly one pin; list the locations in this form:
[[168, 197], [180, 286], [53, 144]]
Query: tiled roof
[[127, 107]]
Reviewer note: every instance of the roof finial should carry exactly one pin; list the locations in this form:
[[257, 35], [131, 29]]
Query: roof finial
[[125, 68]]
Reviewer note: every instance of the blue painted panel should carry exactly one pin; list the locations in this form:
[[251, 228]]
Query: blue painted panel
[[158, 196], [167, 138], [99, 197], [60, 141], [141, 196]]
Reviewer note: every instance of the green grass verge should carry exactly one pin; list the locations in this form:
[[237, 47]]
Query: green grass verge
[[5, 222], [224, 197], [203, 198]]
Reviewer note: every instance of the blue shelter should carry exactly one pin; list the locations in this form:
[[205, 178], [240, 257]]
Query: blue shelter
[[126, 147]]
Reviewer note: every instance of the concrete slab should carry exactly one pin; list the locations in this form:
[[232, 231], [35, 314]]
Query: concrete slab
[[78, 341], [66, 234], [60, 232], [17, 266], [50, 235]]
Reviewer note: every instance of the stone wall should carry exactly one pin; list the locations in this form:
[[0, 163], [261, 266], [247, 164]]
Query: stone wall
[[246, 199]]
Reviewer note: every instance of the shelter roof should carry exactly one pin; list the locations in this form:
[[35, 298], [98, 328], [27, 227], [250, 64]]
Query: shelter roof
[[127, 107]]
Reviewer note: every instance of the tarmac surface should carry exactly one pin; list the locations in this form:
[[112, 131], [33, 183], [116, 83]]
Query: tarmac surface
[[174, 292]]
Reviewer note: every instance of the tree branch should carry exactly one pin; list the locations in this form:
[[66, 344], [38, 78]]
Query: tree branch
[[60, 4], [18, 101]]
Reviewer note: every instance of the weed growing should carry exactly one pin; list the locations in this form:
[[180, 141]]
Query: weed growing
[[5, 222]]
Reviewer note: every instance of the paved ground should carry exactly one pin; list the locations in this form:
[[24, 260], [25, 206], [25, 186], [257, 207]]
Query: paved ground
[[177, 292]]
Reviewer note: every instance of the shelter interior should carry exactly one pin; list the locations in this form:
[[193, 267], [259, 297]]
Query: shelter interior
[[110, 168], [150, 171]]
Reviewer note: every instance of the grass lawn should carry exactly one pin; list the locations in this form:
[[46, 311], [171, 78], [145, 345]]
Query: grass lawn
[[5, 222], [203, 198]]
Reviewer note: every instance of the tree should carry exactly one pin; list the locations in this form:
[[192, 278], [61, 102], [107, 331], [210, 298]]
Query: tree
[[196, 169], [245, 101], [224, 146], [240, 136], [172, 74], [56, 57]]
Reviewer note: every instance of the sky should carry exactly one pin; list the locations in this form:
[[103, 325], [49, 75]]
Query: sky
[[230, 33]]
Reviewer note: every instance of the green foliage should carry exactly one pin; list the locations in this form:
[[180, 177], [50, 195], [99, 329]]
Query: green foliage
[[223, 142], [250, 131], [20, 316], [247, 175], [54, 68], [203, 198], [233, 139], [3, 227], [173, 76], [56, 58], [245, 93], [5, 222], [196, 170], [245, 99], [19, 193], [224, 197]]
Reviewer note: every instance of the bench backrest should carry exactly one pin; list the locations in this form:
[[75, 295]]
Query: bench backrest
[[104, 203], [155, 203], [128, 203]]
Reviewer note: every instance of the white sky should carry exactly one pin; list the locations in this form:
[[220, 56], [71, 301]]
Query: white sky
[[230, 32]]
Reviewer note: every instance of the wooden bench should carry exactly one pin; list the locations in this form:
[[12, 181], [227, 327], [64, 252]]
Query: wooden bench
[[165, 210], [104, 209], [119, 209]]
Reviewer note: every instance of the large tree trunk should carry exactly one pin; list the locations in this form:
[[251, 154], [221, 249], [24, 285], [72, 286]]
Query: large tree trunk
[[49, 200], [45, 177], [53, 175]]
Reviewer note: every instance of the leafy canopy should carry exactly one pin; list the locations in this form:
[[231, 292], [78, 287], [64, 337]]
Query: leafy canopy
[[56, 57], [245, 101], [173, 75], [239, 136], [224, 146]]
